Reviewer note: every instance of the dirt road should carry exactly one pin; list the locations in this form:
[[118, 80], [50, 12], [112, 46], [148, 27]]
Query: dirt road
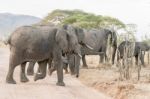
[[43, 89]]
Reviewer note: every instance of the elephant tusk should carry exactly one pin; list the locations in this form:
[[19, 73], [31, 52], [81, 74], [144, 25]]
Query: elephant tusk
[[80, 55], [88, 46]]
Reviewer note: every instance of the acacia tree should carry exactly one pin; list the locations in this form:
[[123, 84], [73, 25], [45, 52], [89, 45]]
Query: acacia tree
[[82, 19]]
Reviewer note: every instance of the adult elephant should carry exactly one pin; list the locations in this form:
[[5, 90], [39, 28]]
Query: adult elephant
[[74, 68], [40, 44], [139, 46], [98, 39]]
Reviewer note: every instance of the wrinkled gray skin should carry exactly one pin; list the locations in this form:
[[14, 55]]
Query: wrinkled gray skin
[[97, 39], [40, 44], [139, 46], [30, 69], [52, 68], [74, 68], [74, 63], [74, 60]]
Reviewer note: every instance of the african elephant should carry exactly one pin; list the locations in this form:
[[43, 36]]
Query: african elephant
[[73, 61], [139, 46], [40, 44], [73, 68], [96, 44], [97, 39]]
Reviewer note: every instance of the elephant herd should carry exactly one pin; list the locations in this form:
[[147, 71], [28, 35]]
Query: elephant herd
[[59, 46]]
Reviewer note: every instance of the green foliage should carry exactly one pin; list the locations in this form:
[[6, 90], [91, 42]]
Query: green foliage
[[82, 19]]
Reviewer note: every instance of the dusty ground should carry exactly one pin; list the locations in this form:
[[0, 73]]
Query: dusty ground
[[105, 79], [43, 89]]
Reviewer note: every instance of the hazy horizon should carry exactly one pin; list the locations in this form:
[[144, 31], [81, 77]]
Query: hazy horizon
[[128, 11]]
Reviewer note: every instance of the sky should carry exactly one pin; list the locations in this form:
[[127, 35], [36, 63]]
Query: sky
[[128, 11]]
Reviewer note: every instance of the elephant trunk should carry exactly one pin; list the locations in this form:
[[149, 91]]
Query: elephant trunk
[[114, 53]]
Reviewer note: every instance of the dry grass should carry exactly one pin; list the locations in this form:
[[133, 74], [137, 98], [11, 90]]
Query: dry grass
[[105, 78]]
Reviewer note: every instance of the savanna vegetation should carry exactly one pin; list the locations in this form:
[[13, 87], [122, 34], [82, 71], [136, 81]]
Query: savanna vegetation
[[90, 20], [82, 19]]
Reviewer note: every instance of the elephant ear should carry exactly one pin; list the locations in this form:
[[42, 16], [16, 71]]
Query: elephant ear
[[61, 38], [80, 34]]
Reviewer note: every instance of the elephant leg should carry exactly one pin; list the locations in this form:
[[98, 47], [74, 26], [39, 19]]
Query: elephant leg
[[102, 56], [65, 67], [13, 62], [49, 64], [101, 59], [23, 77], [51, 67], [58, 63], [136, 60], [9, 78], [30, 69], [42, 68], [106, 58], [84, 62], [142, 59]]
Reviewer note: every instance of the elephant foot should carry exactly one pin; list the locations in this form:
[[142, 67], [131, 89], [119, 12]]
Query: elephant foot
[[38, 76], [66, 72], [51, 71], [10, 81], [72, 73], [144, 66], [85, 67], [30, 73], [24, 79], [60, 84]]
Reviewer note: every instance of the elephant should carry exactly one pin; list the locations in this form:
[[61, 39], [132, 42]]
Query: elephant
[[93, 40], [74, 68], [40, 44], [139, 46], [97, 39], [73, 61]]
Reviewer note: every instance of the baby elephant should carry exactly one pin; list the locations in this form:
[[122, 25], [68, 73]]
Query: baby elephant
[[52, 68]]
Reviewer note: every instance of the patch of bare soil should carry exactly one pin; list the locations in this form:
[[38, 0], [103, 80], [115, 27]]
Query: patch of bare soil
[[105, 78]]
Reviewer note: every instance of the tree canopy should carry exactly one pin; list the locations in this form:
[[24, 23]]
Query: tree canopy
[[82, 19]]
